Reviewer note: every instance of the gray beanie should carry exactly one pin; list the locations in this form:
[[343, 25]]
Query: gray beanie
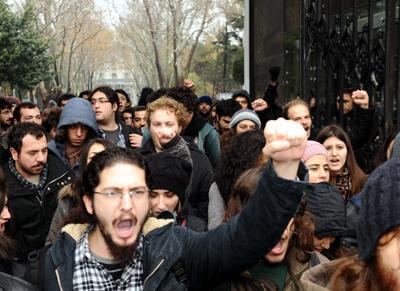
[[244, 114]]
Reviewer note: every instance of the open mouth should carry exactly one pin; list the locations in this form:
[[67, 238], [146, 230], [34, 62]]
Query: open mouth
[[125, 228], [278, 249]]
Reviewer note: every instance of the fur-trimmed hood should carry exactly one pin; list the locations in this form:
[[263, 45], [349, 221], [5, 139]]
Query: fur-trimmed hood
[[77, 230]]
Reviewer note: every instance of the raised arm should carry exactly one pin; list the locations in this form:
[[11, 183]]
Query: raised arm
[[215, 256]]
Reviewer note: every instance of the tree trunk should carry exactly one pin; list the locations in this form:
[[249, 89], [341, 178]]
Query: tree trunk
[[154, 44]]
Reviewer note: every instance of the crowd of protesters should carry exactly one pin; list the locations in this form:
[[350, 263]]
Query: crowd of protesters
[[186, 192]]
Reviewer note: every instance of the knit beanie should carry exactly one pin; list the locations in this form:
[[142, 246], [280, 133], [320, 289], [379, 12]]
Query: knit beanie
[[168, 172], [313, 148], [327, 208], [380, 207], [244, 114], [205, 99]]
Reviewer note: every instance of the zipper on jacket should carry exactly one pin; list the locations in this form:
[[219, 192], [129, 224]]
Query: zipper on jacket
[[153, 272], [59, 280], [52, 181]]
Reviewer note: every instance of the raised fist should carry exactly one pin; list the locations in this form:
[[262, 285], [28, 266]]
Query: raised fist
[[259, 105], [286, 140], [361, 98]]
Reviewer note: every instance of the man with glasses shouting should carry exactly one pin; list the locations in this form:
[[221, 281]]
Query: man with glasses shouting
[[120, 249], [105, 103]]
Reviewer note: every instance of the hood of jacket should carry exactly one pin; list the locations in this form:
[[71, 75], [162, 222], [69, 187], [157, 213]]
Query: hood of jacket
[[78, 110]]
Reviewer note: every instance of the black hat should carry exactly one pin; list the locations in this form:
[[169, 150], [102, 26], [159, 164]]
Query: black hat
[[380, 207], [169, 172], [327, 208]]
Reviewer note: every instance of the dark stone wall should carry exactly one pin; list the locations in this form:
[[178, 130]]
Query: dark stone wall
[[267, 24]]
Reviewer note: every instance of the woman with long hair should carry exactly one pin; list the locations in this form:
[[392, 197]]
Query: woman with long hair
[[6, 244], [344, 170]]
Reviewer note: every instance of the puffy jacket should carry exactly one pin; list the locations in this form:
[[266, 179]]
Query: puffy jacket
[[33, 212], [209, 258]]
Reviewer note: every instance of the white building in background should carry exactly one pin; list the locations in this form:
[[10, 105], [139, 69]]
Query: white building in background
[[117, 78]]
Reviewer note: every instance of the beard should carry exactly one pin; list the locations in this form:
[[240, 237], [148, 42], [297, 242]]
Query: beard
[[119, 253]]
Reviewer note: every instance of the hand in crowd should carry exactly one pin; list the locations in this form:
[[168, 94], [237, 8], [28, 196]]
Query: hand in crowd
[[259, 105], [286, 141], [135, 140], [361, 98]]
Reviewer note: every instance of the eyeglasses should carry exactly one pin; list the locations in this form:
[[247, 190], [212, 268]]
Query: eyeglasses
[[116, 196], [101, 101]]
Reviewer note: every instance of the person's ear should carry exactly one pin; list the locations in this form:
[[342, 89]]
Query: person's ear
[[14, 154], [88, 203], [115, 107]]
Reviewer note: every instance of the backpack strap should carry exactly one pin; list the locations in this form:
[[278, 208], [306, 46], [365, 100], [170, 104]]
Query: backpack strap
[[180, 273], [36, 266]]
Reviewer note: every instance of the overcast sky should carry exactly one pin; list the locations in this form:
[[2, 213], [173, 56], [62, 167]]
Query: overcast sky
[[113, 9]]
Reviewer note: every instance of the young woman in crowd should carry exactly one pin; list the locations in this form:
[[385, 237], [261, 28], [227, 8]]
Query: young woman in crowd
[[281, 268], [6, 244], [168, 179], [325, 203], [242, 153], [344, 170], [7, 280], [67, 197]]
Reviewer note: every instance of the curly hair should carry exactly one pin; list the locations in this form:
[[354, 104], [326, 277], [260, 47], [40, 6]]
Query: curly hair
[[184, 96], [165, 103], [90, 178], [242, 153]]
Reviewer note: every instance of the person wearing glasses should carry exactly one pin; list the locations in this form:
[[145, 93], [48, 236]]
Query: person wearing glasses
[[105, 103], [120, 247]]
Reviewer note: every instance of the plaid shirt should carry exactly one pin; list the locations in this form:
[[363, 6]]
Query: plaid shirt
[[89, 274], [121, 137]]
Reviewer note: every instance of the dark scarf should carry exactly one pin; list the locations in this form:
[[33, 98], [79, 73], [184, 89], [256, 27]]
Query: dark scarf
[[343, 182], [194, 126], [24, 182]]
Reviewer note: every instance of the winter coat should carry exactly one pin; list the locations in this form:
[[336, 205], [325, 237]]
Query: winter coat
[[208, 258], [10, 283], [33, 212], [216, 207], [205, 137], [66, 200]]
